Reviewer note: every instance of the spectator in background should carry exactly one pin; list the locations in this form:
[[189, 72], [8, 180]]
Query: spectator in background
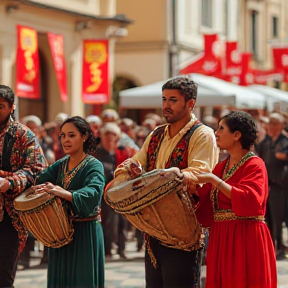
[[268, 149], [110, 154], [155, 117], [95, 123], [59, 120], [149, 123], [35, 124], [110, 115]]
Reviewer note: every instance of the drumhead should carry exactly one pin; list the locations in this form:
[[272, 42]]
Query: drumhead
[[28, 200], [138, 185]]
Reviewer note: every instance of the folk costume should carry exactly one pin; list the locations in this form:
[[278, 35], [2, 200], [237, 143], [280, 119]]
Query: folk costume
[[81, 262], [193, 148], [240, 251], [21, 159]]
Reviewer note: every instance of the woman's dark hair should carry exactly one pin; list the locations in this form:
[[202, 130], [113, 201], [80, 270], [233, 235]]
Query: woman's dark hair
[[8, 94], [186, 86], [84, 128], [243, 122]]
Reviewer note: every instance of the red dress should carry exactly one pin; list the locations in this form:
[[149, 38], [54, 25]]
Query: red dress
[[240, 251]]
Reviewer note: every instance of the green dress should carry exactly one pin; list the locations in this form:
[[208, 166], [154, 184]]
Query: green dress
[[79, 264]]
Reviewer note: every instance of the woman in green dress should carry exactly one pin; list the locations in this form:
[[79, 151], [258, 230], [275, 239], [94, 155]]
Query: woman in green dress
[[78, 179]]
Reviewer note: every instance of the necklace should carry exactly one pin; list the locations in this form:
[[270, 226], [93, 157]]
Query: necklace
[[68, 175], [226, 175]]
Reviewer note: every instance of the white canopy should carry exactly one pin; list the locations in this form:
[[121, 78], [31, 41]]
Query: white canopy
[[276, 99], [149, 96], [211, 92], [245, 98]]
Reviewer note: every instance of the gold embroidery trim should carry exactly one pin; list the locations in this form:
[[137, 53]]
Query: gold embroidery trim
[[224, 215]]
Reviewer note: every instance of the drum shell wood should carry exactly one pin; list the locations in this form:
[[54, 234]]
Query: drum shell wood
[[44, 216], [161, 208]]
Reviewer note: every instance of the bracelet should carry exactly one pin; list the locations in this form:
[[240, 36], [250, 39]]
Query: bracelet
[[217, 186]]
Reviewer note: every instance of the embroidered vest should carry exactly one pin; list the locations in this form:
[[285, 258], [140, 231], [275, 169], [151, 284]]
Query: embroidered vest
[[178, 157]]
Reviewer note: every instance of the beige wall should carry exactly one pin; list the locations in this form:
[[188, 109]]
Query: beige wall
[[142, 55], [90, 7], [266, 10], [43, 21]]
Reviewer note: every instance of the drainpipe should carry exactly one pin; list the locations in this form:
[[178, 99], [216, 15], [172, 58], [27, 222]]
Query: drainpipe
[[173, 46]]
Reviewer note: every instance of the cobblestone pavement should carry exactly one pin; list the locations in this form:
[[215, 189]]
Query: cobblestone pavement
[[128, 273]]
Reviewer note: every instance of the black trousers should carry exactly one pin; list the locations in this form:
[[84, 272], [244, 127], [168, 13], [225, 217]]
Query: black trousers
[[9, 254], [176, 268], [275, 213]]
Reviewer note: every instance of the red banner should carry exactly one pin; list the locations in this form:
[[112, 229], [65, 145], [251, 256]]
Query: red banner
[[211, 62], [95, 81], [56, 43], [27, 70], [233, 62], [246, 77], [280, 59]]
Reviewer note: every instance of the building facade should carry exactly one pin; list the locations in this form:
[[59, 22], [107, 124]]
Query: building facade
[[76, 20]]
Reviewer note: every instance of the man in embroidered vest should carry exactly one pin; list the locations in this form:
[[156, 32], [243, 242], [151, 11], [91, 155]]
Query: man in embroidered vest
[[21, 159], [187, 145]]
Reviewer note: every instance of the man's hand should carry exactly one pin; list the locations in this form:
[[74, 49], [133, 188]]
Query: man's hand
[[4, 185], [174, 170]]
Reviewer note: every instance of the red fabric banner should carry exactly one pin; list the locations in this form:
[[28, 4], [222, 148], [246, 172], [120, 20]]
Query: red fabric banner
[[246, 77], [27, 70], [280, 59], [233, 62], [211, 62], [95, 81], [263, 76], [56, 43]]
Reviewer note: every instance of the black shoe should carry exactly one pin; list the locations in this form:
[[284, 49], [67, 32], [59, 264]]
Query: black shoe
[[123, 256]]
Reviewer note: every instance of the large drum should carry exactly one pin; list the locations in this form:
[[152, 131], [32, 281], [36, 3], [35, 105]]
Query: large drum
[[44, 217], [159, 206]]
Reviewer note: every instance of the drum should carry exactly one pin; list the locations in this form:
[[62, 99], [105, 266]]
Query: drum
[[159, 206], [44, 217]]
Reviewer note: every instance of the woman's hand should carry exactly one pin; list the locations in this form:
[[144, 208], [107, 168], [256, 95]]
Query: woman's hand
[[205, 178], [44, 188]]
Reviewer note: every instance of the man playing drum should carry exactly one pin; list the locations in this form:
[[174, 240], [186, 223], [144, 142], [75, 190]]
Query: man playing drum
[[21, 160], [187, 145]]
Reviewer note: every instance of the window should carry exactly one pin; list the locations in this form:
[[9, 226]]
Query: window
[[275, 27], [207, 13], [254, 33]]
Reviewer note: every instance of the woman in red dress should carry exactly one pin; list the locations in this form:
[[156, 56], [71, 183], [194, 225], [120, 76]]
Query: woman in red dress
[[240, 251]]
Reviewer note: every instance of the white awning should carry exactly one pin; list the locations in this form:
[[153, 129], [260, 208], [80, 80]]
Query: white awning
[[150, 96], [245, 98], [211, 92], [276, 99]]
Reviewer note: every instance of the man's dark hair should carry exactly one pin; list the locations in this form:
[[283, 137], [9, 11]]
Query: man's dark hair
[[8, 94], [186, 86]]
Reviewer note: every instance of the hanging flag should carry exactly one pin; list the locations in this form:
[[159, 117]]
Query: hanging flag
[[280, 59], [56, 43], [263, 76], [211, 61], [95, 81], [246, 77], [233, 62], [27, 63]]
